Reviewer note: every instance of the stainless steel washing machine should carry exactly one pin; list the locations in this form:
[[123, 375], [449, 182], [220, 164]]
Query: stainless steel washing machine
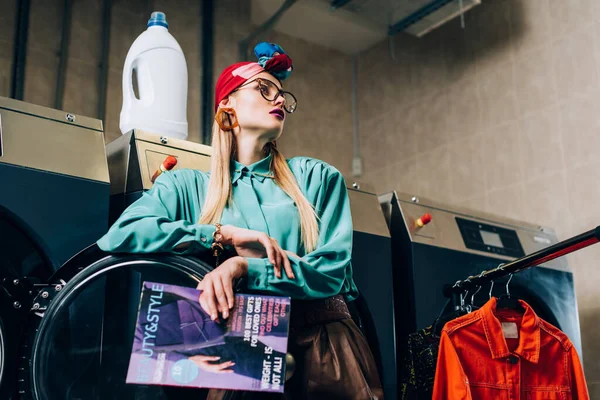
[[452, 243], [54, 198]]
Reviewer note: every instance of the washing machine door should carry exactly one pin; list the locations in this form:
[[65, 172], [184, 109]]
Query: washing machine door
[[81, 343], [23, 263]]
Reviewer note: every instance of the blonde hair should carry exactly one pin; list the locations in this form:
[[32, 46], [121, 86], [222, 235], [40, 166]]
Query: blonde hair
[[219, 186]]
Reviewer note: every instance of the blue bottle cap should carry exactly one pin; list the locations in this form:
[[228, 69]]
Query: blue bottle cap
[[158, 18]]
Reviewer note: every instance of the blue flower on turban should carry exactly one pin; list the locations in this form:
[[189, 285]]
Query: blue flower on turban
[[274, 60]]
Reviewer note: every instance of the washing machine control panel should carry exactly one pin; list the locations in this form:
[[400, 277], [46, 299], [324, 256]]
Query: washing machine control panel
[[490, 238]]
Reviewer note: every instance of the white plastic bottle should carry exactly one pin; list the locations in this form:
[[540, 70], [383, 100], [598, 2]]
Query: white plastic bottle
[[162, 82]]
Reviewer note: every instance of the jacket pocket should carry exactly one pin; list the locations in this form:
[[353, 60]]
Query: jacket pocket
[[488, 392], [546, 395]]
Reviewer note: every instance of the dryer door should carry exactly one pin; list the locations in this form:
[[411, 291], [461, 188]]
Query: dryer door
[[23, 263], [83, 342]]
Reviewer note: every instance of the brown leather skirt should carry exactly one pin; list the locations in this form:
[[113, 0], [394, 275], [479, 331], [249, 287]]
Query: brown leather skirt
[[333, 359]]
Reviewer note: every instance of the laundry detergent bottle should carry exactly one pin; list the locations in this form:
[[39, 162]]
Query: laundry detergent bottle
[[160, 104]]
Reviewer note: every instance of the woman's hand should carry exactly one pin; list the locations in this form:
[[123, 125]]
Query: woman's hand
[[255, 244], [205, 363], [217, 286]]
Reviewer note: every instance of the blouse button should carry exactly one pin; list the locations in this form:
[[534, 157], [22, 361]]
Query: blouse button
[[203, 239]]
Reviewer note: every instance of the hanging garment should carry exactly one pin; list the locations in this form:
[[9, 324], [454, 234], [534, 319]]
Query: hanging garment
[[506, 354], [418, 368]]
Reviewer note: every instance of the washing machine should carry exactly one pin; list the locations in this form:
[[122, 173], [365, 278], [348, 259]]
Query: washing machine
[[77, 339], [54, 201], [435, 245], [54, 177], [136, 156]]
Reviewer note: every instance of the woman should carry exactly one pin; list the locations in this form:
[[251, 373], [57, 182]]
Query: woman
[[288, 221]]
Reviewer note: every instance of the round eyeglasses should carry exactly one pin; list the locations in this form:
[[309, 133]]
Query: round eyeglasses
[[271, 92]]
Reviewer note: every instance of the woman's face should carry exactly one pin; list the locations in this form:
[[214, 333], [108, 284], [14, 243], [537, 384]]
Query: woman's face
[[254, 112]]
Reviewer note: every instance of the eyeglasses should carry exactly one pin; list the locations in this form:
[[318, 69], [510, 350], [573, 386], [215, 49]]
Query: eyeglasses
[[270, 92]]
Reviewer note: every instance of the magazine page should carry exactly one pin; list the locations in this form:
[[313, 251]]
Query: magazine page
[[176, 343]]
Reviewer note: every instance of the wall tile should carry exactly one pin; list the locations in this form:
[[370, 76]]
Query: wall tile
[[7, 20], [114, 103], [86, 32], [580, 129], [464, 110], [531, 24], [574, 63], [375, 145], [534, 77], [460, 52], [433, 172], [493, 38], [542, 143], [498, 95], [467, 178], [139, 7], [193, 116], [45, 26], [503, 153], [401, 176], [431, 74], [5, 68], [582, 188], [506, 202], [435, 120], [566, 17], [404, 132], [81, 89], [40, 78], [545, 201], [477, 203]]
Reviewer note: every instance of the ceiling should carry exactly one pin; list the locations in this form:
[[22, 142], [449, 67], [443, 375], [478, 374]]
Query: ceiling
[[357, 25], [313, 21]]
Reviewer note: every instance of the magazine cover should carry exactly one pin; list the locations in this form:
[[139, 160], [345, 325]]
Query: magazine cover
[[176, 343]]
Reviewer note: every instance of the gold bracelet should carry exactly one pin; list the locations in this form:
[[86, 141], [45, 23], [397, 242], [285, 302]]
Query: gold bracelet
[[217, 246]]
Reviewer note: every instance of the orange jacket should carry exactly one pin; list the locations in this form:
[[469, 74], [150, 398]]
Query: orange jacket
[[476, 362]]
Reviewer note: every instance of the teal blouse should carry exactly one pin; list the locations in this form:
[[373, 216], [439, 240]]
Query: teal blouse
[[168, 214]]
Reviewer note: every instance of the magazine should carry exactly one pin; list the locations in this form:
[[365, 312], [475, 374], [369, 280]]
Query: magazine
[[176, 343]]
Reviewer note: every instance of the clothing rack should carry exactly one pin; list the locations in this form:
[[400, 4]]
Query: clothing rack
[[549, 253]]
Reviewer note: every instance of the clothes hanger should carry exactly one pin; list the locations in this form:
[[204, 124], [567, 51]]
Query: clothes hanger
[[473, 306], [458, 310], [507, 301]]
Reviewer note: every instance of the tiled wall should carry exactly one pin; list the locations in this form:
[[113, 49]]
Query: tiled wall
[[503, 117]]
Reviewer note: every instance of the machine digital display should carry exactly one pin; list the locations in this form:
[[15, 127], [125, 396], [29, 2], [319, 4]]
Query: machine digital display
[[491, 239]]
